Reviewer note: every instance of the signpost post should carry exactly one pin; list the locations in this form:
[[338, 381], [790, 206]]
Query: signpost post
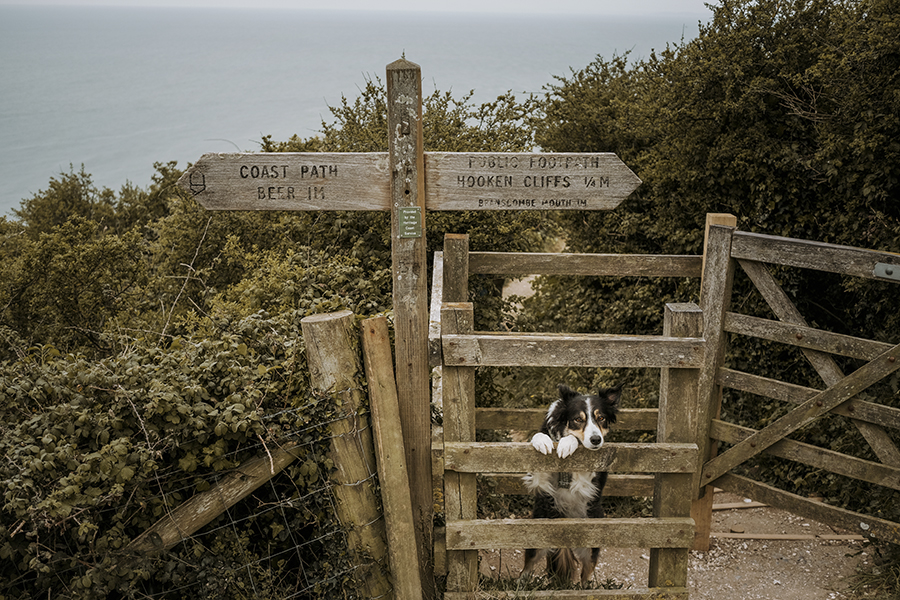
[[408, 182]]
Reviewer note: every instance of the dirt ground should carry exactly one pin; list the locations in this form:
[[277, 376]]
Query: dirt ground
[[736, 568]]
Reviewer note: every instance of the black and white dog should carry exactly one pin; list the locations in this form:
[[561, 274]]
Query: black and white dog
[[571, 421]]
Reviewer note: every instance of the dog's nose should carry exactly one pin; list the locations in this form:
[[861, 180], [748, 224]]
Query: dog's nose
[[596, 440]]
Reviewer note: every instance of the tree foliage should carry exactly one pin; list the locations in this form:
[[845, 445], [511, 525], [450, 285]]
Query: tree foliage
[[785, 114]]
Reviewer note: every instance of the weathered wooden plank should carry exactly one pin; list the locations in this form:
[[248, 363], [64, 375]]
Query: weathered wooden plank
[[586, 350], [819, 256], [616, 485], [393, 476], [516, 457], [409, 268], [824, 364], [612, 265], [290, 181], [677, 424], [530, 419], [820, 458], [460, 489], [485, 534], [589, 594], [335, 370], [527, 181], [434, 311], [456, 271], [715, 298], [859, 410], [188, 518], [870, 527], [821, 403], [804, 337]]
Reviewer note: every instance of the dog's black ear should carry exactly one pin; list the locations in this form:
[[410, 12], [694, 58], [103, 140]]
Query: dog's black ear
[[565, 392], [613, 395]]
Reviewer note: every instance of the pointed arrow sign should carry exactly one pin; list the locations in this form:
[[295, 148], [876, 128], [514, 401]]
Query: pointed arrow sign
[[526, 181], [454, 181], [290, 181]]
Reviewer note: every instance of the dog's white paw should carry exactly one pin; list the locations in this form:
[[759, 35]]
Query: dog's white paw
[[567, 446], [542, 443]]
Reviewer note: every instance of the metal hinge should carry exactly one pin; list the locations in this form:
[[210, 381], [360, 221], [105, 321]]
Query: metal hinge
[[886, 271]]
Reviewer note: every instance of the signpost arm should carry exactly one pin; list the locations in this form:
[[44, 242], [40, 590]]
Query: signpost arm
[[407, 166]]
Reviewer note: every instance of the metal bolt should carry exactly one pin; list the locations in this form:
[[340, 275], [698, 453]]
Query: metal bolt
[[799, 336]]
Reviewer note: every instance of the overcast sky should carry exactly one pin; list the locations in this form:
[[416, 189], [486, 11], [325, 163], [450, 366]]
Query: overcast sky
[[623, 7]]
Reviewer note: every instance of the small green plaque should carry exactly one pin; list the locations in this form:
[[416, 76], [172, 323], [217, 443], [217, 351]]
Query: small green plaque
[[410, 221]]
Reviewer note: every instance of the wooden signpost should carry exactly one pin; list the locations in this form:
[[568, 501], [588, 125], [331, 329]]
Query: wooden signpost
[[409, 181]]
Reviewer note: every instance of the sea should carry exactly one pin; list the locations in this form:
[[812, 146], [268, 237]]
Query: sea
[[116, 89]]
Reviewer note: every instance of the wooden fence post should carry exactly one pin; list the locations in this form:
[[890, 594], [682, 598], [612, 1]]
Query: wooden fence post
[[334, 370], [715, 297], [677, 423], [410, 298], [456, 267], [460, 498], [392, 471]]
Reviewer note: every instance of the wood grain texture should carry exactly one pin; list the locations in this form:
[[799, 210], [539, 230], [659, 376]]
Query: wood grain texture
[[290, 181], [527, 181], [393, 475], [820, 458], [572, 533], [516, 457], [410, 294], [561, 350], [810, 255], [606, 265]]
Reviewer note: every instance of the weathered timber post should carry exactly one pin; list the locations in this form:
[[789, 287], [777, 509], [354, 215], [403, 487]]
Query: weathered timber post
[[715, 297], [334, 370], [677, 423], [456, 267], [409, 262], [459, 426], [392, 471]]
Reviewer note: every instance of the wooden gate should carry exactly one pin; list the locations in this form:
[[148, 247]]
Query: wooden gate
[[672, 461], [728, 248]]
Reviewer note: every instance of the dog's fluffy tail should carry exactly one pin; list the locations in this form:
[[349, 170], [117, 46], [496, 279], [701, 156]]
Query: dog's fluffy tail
[[561, 564]]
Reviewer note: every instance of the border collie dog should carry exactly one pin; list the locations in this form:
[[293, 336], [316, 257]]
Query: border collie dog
[[573, 420]]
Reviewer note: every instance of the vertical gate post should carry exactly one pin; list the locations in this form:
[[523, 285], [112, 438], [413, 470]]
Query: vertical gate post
[[459, 426], [715, 297], [409, 266], [456, 267], [677, 424], [334, 369]]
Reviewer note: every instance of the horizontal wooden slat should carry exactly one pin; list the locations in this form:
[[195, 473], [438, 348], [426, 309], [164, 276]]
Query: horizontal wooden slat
[[869, 412], [560, 350], [819, 256], [611, 265], [616, 485], [530, 419], [672, 593], [820, 458], [854, 522], [804, 337], [519, 457], [485, 534]]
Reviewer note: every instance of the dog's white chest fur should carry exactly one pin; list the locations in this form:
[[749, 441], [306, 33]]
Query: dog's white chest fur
[[571, 501]]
